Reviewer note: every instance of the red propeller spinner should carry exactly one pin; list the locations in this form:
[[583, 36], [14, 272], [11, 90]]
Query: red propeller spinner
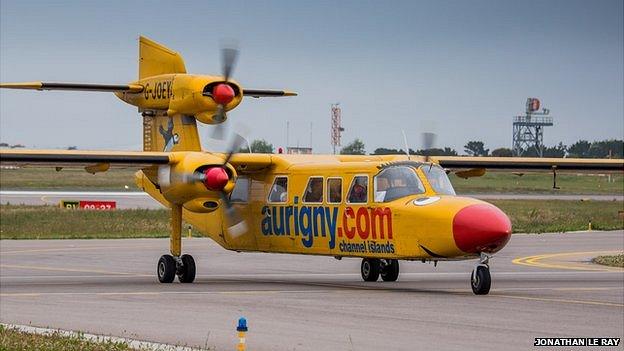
[[222, 94], [215, 178]]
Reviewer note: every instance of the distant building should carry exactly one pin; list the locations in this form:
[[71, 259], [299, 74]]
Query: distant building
[[4, 145], [298, 150]]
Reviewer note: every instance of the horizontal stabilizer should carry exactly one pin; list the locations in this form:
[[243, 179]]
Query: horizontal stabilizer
[[132, 88], [267, 93]]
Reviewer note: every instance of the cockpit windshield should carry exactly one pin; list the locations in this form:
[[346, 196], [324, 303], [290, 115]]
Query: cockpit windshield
[[396, 182], [438, 179]]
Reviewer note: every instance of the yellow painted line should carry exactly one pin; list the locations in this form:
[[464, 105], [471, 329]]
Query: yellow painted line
[[46, 268], [74, 249], [159, 293], [537, 261], [569, 301]]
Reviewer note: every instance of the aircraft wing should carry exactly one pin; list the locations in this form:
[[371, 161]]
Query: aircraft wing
[[132, 88], [243, 163], [82, 159], [520, 164]]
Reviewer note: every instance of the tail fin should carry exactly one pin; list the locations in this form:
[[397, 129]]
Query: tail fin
[[162, 132], [155, 59], [170, 133]]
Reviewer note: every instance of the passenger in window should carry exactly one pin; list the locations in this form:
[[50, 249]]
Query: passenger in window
[[359, 191], [335, 190], [314, 192], [279, 192]]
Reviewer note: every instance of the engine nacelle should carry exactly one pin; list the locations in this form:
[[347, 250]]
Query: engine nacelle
[[197, 181], [185, 94], [193, 96]]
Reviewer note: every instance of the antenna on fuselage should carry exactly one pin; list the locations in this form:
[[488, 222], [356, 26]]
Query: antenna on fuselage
[[406, 145]]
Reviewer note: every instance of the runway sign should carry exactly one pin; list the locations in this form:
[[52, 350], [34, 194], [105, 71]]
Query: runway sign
[[89, 205]]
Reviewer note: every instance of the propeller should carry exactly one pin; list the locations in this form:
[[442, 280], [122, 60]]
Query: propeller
[[223, 93], [216, 178], [428, 139]]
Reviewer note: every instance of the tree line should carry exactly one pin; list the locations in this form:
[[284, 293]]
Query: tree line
[[613, 148], [609, 148]]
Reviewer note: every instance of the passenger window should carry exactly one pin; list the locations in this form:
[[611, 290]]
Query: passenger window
[[358, 193], [334, 190], [314, 190], [241, 190], [279, 190]]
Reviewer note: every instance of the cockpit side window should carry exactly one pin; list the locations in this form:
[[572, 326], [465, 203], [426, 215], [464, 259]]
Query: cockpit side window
[[279, 190], [358, 192], [438, 179], [396, 182]]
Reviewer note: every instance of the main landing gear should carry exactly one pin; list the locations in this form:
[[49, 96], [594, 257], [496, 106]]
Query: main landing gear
[[176, 264], [372, 268], [480, 279]]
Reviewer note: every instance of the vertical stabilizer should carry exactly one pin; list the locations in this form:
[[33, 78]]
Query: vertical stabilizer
[[156, 59], [170, 133]]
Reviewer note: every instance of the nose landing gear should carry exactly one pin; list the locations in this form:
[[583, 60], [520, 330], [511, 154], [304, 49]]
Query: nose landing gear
[[480, 279]]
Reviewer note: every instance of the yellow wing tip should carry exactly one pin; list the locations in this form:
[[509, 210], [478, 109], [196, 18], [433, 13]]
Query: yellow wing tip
[[22, 85]]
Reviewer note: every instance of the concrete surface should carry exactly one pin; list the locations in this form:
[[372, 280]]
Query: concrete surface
[[316, 303]]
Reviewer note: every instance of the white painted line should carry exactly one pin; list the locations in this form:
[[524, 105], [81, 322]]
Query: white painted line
[[136, 344]]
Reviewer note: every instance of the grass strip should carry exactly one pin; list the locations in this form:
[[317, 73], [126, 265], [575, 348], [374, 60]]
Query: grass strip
[[614, 260], [48, 222], [555, 216], [491, 182], [14, 340]]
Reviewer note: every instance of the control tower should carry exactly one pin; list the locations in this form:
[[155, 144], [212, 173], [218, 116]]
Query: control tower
[[528, 130]]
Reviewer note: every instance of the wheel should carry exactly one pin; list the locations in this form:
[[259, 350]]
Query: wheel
[[166, 269], [186, 273], [370, 269], [481, 280], [390, 271]]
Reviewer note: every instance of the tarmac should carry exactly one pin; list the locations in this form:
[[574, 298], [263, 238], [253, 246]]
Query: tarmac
[[542, 286], [133, 199]]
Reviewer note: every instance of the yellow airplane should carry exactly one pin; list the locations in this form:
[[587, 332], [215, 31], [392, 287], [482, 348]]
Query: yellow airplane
[[381, 209]]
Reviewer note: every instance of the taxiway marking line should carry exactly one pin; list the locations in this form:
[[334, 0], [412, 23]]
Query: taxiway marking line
[[86, 248], [256, 292], [569, 301], [536, 261], [158, 293], [69, 270]]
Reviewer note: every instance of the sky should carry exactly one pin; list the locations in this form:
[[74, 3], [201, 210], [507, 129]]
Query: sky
[[460, 69]]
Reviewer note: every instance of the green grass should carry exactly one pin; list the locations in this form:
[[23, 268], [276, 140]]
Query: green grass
[[491, 182], [614, 261], [66, 179], [47, 222], [530, 216], [14, 340], [539, 183]]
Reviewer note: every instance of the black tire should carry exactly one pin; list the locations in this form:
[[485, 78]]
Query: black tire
[[166, 269], [481, 280], [186, 273], [370, 268], [390, 271]]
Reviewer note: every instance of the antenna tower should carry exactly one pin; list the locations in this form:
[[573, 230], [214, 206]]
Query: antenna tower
[[336, 126]]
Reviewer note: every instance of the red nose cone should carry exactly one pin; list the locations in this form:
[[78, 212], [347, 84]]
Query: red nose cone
[[216, 178], [481, 227], [222, 94]]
